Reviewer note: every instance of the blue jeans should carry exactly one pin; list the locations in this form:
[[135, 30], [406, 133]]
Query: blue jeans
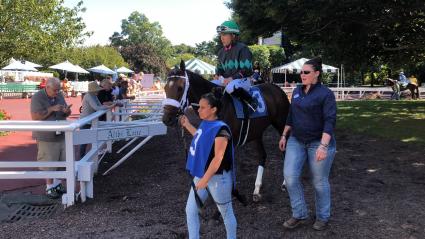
[[220, 187], [296, 155]]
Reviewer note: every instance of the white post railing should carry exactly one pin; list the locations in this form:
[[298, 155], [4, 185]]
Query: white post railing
[[99, 135]]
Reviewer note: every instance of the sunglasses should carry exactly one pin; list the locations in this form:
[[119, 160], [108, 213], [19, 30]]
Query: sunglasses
[[221, 29], [305, 72]]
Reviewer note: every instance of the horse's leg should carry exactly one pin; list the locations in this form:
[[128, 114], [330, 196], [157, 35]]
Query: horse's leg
[[412, 92], [417, 92], [256, 196]]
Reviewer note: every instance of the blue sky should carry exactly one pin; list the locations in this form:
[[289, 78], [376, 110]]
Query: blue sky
[[182, 21]]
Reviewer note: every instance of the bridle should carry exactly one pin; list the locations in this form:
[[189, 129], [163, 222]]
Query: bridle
[[184, 101]]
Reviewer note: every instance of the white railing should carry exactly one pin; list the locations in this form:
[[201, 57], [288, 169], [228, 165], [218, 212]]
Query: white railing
[[99, 135], [148, 106], [342, 93]]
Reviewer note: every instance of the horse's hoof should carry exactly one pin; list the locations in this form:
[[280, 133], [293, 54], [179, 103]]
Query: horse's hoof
[[283, 188], [256, 197]]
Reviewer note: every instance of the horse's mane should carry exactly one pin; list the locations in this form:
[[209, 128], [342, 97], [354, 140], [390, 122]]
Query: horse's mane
[[199, 78]]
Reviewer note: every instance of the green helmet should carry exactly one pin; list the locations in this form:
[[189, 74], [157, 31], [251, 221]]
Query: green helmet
[[228, 27]]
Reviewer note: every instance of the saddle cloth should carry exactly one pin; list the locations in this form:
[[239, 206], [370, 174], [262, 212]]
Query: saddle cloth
[[261, 109]]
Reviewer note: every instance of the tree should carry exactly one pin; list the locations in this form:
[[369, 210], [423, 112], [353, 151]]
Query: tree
[[175, 60], [39, 30], [88, 57], [260, 54], [277, 55], [142, 57], [207, 49], [183, 48], [137, 29], [357, 33]]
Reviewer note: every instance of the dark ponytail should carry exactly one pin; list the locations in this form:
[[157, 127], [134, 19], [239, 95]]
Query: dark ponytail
[[316, 63], [213, 101]]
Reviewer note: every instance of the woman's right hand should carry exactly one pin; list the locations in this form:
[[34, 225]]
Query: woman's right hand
[[282, 143], [184, 121]]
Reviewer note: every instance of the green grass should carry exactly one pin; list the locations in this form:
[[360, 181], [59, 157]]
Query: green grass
[[396, 120]]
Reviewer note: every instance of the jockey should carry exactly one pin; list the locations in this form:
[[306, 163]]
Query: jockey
[[403, 79], [235, 63]]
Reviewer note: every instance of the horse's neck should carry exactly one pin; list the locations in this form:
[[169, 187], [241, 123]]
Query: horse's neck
[[226, 107], [197, 87]]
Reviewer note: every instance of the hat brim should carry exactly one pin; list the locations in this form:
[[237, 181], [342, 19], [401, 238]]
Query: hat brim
[[94, 90]]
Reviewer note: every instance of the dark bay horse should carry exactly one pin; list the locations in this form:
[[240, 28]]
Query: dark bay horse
[[185, 87], [398, 88]]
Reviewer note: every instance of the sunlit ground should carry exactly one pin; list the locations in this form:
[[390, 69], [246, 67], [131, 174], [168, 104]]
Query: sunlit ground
[[396, 120]]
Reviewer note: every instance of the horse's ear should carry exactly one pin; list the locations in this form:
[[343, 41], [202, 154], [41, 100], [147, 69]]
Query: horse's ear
[[182, 65]]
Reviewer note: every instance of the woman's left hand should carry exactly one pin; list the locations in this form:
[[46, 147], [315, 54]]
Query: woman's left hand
[[203, 183], [321, 153]]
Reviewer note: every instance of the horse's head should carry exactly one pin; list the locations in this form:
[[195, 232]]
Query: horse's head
[[174, 91]]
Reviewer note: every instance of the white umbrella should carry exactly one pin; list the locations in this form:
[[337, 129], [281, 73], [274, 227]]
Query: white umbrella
[[32, 64], [102, 69], [25, 62], [19, 66], [82, 70], [124, 70], [65, 66]]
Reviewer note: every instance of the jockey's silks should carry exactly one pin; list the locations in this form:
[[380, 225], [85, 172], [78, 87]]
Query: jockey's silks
[[201, 147], [235, 62]]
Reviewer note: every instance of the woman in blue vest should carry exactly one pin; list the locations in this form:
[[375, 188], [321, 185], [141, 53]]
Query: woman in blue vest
[[210, 162], [310, 128]]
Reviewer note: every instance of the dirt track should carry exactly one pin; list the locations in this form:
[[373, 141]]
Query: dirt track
[[378, 191]]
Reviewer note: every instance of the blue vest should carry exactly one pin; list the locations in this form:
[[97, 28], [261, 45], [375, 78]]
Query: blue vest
[[201, 147]]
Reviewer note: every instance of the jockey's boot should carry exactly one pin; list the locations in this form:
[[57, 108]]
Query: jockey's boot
[[245, 97]]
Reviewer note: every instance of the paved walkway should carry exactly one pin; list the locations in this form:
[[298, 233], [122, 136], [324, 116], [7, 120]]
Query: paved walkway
[[20, 146]]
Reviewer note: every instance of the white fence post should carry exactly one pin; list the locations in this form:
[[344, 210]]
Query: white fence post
[[70, 169], [109, 119], [95, 145]]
